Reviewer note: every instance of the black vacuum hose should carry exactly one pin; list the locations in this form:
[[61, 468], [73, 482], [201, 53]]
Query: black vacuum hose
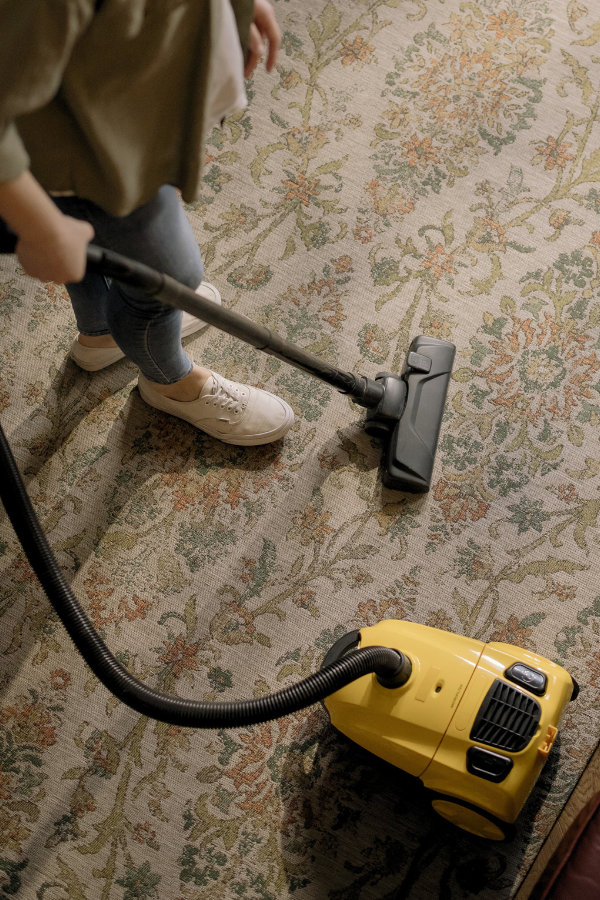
[[389, 665]]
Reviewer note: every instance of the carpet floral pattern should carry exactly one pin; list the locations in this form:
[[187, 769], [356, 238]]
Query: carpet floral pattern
[[413, 166]]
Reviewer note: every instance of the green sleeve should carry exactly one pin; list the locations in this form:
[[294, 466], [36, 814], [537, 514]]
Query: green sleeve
[[244, 14], [36, 40]]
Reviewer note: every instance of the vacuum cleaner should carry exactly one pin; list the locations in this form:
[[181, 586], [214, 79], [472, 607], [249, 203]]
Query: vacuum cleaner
[[475, 722]]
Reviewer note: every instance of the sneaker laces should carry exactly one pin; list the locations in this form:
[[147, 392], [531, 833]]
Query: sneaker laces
[[227, 394]]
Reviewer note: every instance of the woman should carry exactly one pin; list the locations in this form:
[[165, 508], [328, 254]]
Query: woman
[[103, 111]]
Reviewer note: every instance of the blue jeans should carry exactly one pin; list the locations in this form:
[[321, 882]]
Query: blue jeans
[[148, 332]]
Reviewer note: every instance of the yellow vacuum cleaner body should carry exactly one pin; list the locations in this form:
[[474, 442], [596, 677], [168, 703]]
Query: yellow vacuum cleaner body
[[475, 722]]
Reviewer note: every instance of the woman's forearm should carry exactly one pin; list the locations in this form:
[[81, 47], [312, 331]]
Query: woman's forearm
[[51, 246], [27, 208]]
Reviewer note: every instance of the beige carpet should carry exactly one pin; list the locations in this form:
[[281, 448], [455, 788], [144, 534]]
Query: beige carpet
[[411, 167]]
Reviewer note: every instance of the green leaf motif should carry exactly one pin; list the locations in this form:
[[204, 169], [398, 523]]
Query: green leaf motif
[[580, 75]]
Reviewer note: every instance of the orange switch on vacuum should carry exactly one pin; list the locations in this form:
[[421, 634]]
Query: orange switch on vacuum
[[544, 749]]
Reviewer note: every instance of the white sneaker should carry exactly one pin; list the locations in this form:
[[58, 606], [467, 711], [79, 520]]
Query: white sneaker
[[92, 359], [234, 413]]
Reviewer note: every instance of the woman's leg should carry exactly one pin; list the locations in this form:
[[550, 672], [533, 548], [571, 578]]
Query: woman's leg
[[88, 297], [149, 332]]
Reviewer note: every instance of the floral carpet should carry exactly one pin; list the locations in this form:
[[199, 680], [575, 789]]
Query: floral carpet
[[411, 167]]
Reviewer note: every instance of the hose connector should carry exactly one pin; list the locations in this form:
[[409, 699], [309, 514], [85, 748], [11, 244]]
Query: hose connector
[[395, 674]]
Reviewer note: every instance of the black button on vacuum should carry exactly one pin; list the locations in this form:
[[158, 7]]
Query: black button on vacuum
[[419, 361], [531, 679], [485, 764]]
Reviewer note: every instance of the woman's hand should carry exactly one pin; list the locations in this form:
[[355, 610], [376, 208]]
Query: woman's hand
[[50, 246], [58, 254], [264, 27]]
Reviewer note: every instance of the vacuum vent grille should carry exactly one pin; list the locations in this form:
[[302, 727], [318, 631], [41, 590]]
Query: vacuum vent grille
[[507, 718]]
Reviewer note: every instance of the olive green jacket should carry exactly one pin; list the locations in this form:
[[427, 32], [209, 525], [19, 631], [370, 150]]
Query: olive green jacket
[[106, 99]]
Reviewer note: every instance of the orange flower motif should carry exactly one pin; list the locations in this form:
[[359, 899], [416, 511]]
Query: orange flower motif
[[467, 88], [305, 600], [391, 201], [312, 526], [254, 776], [370, 612], [289, 80], [337, 316], [595, 239], [363, 234], [524, 57], [60, 680], [495, 228], [302, 189], [509, 633], [553, 153], [144, 832], [439, 325], [458, 502], [371, 342], [506, 25], [439, 262], [99, 597], [487, 235], [139, 610], [101, 755], [541, 355], [440, 620], [356, 51], [55, 292], [180, 656], [328, 460], [567, 493], [565, 592], [594, 668], [248, 573], [306, 142], [559, 218], [342, 264], [420, 153], [233, 624], [30, 723], [576, 11], [467, 27]]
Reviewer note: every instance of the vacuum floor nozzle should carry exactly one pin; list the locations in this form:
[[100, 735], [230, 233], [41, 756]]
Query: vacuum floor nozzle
[[409, 416]]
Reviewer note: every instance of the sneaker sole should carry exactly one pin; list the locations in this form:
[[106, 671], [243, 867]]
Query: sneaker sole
[[112, 356], [250, 441]]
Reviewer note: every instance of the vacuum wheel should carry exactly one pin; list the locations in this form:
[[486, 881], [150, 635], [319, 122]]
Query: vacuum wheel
[[472, 818]]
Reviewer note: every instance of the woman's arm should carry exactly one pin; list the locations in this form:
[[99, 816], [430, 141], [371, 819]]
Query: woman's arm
[[36, 41]]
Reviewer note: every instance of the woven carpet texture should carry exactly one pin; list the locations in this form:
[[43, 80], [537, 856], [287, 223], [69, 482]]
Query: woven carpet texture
[[410, 167]]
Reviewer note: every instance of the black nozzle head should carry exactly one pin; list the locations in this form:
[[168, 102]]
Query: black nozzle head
[[397, 673], [408, 417]]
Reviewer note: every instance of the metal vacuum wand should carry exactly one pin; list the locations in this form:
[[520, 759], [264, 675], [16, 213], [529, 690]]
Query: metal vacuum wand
[[405, 411]]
